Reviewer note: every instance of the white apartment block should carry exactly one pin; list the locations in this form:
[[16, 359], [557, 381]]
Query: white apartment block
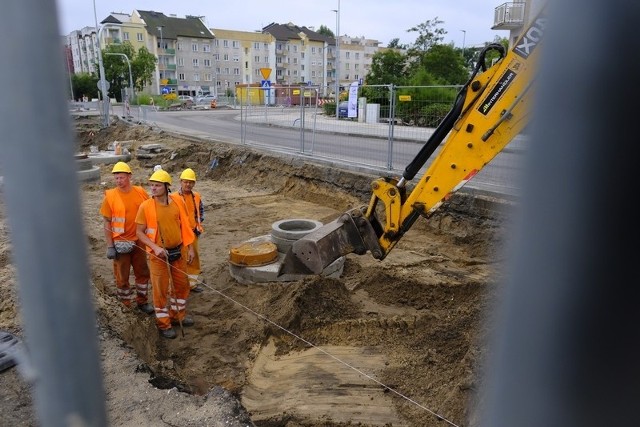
[[194, 59]]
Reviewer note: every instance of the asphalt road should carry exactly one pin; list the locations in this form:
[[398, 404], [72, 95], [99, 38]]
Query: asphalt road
[[344, 142]]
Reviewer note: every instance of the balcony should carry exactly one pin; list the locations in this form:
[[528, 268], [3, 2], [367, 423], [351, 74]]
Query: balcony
[[509, 16]]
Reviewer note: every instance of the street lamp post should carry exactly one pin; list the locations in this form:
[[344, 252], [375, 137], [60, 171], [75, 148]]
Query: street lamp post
[[464, 36], [337, 11], [103, 82], [129, 64], [159, 61]]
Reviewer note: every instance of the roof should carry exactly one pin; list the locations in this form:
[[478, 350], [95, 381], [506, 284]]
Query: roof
[[292, 32], [173, 27], [116, 18]]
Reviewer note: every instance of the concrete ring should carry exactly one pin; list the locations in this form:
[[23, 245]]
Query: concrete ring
[[293, 229]]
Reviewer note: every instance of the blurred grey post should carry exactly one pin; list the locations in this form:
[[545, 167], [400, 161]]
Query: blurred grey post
[[41, 194], [565, 352], [103, 82]]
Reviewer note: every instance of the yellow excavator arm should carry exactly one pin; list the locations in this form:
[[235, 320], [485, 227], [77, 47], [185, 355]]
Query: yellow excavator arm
[[489, 111]]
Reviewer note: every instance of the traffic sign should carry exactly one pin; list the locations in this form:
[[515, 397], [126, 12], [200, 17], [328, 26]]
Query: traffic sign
[[266, 72], [266, 84], [106, 85]]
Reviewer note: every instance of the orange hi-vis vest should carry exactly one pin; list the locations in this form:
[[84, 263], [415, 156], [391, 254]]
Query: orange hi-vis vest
[[151, 219], [118, 210], [197, 200]]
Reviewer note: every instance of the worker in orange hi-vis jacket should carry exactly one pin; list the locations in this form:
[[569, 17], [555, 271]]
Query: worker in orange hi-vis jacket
[[163, 225], [119, 208], [195, 210]]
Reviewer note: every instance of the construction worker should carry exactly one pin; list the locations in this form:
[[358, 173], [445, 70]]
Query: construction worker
[[119, 208], [195, 210], [163, 225]]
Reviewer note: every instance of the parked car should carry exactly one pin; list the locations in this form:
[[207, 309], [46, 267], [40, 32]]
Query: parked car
[[343, 109], [185, 98], [206, 99]]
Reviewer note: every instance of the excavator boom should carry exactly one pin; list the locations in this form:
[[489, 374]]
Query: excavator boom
[[489, 111]]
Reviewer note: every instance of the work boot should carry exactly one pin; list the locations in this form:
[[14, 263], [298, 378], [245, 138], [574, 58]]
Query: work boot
[[197, 289], [146, 308], [168, 333], [187, 321]]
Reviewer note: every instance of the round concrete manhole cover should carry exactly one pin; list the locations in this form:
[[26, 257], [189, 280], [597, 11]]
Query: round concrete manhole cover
[[253, 254]]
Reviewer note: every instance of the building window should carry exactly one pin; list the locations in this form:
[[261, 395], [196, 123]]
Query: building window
[[206, 47], [357, 55], [347, 55], [139, 37], [195, 62], [236, 71], [180, 47], [125, 36], [196, 77], [225, 43], [180, 62], [207, 63], [256, 59], [236, 58], [208, 77], [216, 57], [225, 57], [256, 45], [181, 76], [235, 44], [194, 47]]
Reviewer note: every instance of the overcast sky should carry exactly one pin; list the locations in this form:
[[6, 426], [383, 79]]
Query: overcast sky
[[382, 20]]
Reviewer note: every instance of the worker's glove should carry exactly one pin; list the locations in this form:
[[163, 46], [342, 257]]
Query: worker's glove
[[111, 252]]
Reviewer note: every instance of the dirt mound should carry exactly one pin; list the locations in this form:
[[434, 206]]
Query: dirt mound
[[358, 350]]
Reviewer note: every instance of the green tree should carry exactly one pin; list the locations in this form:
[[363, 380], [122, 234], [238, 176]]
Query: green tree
[[395, 44], [84, 84], [429, 34], [143, 66], [325, 31], [116, 68], [388, 66], [446, 64]]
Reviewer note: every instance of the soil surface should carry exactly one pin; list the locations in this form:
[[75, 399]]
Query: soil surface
[[398, 342]]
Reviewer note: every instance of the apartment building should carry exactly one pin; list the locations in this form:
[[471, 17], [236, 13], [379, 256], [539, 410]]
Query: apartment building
[[356, 56], [193, 59], [239, 57], [183, 47]]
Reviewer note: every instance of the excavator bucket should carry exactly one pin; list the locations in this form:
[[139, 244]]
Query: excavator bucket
[[312, 253]]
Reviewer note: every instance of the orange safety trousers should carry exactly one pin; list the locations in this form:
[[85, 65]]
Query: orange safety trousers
[[170, 304], [193, 269], [137, 259]]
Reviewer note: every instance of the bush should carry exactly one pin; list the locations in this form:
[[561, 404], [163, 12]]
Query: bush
[[435, 113], [329, 108], [143, 99]]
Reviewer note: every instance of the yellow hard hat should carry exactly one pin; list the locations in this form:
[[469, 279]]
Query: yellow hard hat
[[188, 174], [121, 167], [161, 175]]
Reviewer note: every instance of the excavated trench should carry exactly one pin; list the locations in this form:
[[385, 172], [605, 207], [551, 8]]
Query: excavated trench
[[358, 348]]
